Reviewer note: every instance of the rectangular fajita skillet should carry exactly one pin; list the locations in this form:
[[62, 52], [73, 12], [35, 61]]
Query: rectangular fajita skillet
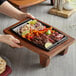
[[44, 24]]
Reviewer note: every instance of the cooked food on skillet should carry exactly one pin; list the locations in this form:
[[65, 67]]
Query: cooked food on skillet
[[39, 34]]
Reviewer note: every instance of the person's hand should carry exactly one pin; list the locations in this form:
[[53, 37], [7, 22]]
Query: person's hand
[[29, 15], [24, 16], [10, 40]]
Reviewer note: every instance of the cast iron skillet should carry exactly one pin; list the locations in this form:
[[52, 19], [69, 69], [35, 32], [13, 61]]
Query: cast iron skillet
[[46, 49]]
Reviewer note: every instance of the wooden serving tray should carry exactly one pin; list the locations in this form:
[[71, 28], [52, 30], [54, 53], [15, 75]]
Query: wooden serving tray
[[44, 56], [23, 4]]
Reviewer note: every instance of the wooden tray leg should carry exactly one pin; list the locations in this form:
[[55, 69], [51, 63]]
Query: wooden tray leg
[[44, 60], [64, 51]]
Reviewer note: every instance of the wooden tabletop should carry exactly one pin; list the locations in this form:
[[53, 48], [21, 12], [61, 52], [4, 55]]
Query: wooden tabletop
[[35, 49]]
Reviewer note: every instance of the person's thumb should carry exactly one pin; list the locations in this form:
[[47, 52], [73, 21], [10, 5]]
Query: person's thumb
[[15, 40]]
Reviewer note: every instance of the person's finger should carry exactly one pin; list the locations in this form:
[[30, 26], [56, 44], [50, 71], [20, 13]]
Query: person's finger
[[13, 44], [15, 40], [16, 45], [29, 15]]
